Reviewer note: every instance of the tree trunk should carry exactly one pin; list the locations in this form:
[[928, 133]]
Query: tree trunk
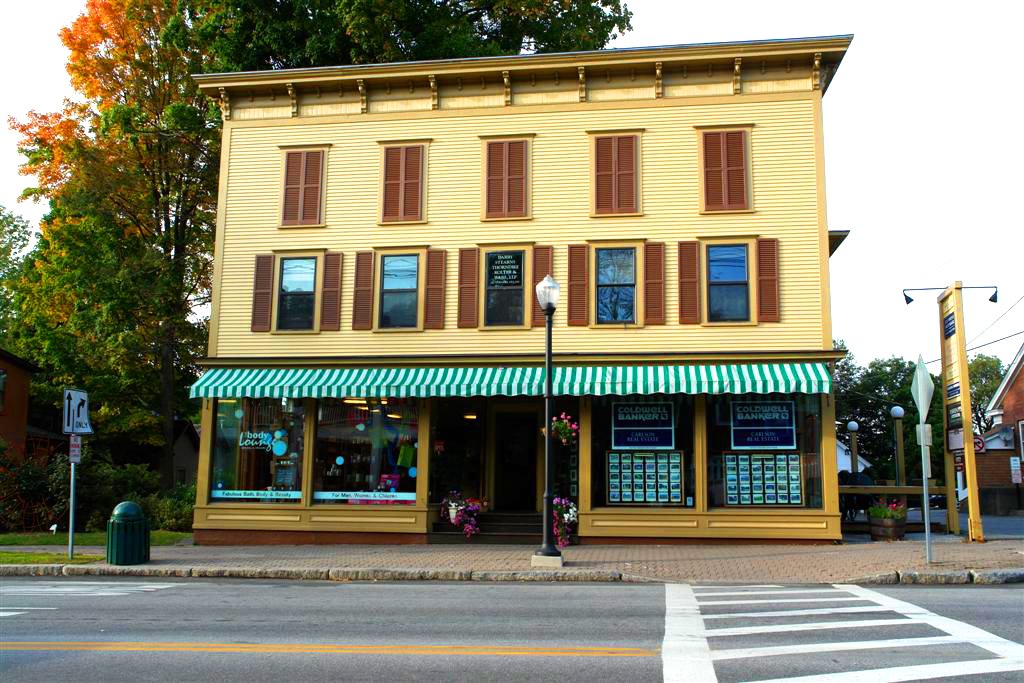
[[166, 467]]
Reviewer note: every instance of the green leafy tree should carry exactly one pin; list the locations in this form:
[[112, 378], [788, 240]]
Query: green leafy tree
[[986, 373], [14, 240]]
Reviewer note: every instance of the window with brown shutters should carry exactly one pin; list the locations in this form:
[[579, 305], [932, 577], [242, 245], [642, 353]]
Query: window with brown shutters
[[689, 283], [506, 182], [542, 266], [303, 181], [654, 283], [262, 292], [725, 170], [579, 284], [362, 301], [403, 184], [330, 297], [469, 287], [433, 316], [768, 309], [615, 174]]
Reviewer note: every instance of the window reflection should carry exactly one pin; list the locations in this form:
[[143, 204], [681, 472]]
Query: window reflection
[[728, 287], [616, 285], [398, 295], [297, 296]]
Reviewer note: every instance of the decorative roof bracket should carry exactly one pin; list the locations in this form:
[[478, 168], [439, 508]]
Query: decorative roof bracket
[[432, 79], [816, 72], [657, 81], [582, 73], [294, 98], [225, 104], [507, 80], [361, 84], [737, 83]]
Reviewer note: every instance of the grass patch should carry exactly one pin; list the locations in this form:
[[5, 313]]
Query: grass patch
[[85, 538], [7, 557]]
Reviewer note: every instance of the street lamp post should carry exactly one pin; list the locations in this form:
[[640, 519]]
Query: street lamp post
[[852, 427], [897, 413], [547, 555]]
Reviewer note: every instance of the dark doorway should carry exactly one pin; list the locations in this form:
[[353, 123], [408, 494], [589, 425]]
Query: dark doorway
[[515, 461]]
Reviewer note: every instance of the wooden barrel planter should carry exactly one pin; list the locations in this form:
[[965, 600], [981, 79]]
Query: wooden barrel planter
[[888, 529]]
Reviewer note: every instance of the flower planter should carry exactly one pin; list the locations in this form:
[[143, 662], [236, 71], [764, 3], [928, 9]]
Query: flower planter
[[887, 529], [453, 512]]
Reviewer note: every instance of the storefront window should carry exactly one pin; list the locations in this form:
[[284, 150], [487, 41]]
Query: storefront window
[[764, 451], [257, 450], [642, 451], [366, 452]]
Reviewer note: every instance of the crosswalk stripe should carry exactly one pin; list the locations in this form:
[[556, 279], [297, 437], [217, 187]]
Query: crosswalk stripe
[[807, 648], [909, 673], [10, 614], [759, 585], [797, 612], [776, 601], [787, 591], [813, 626], [685, 655]]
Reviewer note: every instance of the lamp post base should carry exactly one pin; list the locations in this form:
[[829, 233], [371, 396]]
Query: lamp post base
[[547, 561]]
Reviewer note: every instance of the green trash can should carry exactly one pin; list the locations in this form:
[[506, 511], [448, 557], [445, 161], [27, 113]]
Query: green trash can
[[127, 535]]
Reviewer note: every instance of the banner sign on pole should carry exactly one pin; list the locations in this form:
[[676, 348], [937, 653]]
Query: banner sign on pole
[[767, 425], [75, 449]]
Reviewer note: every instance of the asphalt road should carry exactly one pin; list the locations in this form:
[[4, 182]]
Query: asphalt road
[[189, 630]]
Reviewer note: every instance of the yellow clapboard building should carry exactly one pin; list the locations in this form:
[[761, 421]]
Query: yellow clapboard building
[[376, 343]]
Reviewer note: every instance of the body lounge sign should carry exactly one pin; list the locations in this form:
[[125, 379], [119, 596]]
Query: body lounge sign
[[763, 425]]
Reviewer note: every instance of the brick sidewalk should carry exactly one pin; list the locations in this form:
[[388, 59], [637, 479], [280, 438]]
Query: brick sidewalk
[[683, 563]]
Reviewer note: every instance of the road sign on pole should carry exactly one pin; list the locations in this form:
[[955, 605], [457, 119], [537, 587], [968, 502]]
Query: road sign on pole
[[76, 412], [922, 387], [75, 449]]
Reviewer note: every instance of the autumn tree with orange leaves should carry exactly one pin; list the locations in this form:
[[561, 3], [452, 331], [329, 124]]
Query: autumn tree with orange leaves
[[108, 299]]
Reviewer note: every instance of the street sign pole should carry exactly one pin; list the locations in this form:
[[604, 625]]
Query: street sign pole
[[922, 387], [71, 520], [76, 423]]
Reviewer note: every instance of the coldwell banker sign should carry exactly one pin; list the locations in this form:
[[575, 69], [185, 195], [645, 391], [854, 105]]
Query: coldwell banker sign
[[760, 426], [642, 426]]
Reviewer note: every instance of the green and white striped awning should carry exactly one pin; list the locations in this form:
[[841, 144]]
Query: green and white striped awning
[[763, 378]]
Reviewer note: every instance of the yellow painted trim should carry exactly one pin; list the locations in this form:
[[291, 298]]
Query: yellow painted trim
[[638, 282], [748, 140], [317, 254], [751, 245], [508, 136], [639, 166], [700, 453], [528, 185], [829, 466], [205, 448], [824, 251], [723, 126], [293, 147], [403, 142], [216, 283], [527, 251], [616, 131], [421, 281], [585, 454], [424, 447], [308, 449], [285, 149]]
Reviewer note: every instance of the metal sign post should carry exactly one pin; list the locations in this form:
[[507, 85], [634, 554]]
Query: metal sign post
[[76, 423], [922, 388]]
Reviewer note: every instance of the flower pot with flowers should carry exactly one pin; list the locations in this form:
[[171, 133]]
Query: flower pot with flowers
[[888, 521], [565, 430], [564, 523], [462, 512]]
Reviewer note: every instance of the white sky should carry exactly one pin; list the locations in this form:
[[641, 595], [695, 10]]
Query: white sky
[[921, 142]]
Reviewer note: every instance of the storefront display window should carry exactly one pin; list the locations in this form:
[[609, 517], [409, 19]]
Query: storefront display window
[[642, 451], [764, 451], [257, 450], [366, 452]]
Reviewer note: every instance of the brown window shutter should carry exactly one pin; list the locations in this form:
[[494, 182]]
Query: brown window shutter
[[362, 302], [312, 170], [469, 286], [412, 176], [604, 175], [515, 200], [262, 292], [541, 267], [579, 286], [292, 205], [392, 210], [433, 317], [735, 169], [768, 281], [330, 297], [714, 172], [625, 174], [689, 283], [654, 283], [496, 179]]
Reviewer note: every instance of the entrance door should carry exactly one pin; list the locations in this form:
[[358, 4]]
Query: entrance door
[[515, 461]]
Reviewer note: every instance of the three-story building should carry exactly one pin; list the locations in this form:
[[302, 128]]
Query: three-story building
[[375, 342]]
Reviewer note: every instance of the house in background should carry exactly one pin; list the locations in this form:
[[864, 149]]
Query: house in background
[[15, 375], [843, 459], [996, 489]]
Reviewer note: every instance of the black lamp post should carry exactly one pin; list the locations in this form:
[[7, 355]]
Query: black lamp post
[[548, 555]]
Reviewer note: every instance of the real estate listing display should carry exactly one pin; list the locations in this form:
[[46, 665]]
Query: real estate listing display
[[636, 478], [763, 479]]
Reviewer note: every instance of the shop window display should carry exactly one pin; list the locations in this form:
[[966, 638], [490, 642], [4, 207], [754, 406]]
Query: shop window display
[[257, 450], [457, 443], [366, 452], [764, 451], [642, 451]]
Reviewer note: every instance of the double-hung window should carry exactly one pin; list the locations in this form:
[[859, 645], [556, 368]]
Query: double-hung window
[[728, 283], [399, 296], [504, 279], [296, 298], [616, 285]]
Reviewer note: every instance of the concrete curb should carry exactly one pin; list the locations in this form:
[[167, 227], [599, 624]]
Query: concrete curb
[[569, 574]]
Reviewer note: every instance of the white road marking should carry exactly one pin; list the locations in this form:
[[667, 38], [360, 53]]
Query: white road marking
[[797, 612], [10, 614], [685, 655], [909, 673], [705, 603], [806, 648], [788, 591], [82, 588], [811, 626], [760, 585]]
